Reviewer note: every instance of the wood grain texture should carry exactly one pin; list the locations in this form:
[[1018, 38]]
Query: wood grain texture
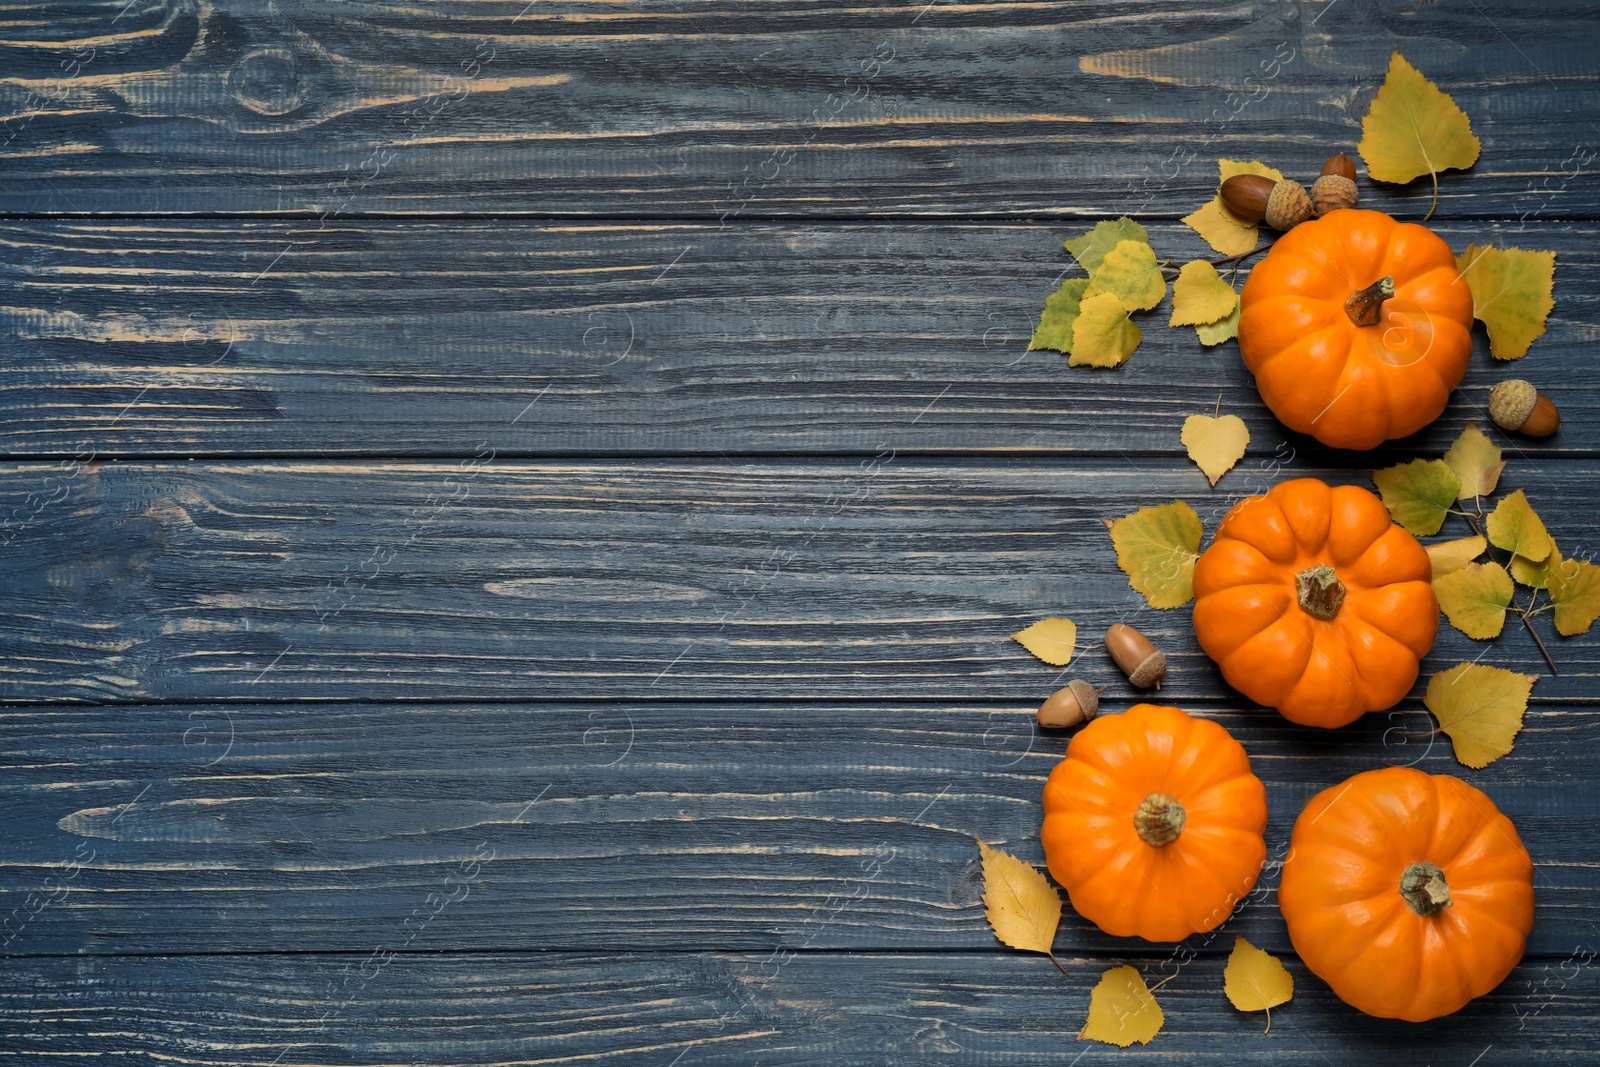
[[452, 338], [883, 577], [720, 1008], [272, 828], [718, 108]]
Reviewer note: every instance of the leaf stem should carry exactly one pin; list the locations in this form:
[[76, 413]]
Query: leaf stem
[[1052, 955], [1526, 621], [1435, 205]]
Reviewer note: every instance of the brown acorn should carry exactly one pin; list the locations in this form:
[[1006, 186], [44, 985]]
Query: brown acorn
[[1282, 205], [1141, 661], [1516, 405], [1078, 702], [1336, 186]]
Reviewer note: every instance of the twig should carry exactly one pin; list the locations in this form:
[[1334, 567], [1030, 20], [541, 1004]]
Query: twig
[[1526, 621]]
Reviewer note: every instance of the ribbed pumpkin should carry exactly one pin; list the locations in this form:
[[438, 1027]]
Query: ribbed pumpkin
[[1357, 327], [1314, 602], [1153, 823], [1408, 893]]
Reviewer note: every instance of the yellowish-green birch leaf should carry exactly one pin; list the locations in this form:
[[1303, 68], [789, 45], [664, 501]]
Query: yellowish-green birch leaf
[[1157, 548], [1131, 272], [1103, 335], [1516, 527], [1090, 248], [1475, 598], [1476, 461], [1200, 296], [1512, 295], [1481, 708], [1418, 494], [1060, 312]]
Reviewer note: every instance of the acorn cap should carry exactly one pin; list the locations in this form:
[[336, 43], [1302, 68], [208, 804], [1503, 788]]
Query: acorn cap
[[1511, 402], [1332, 192], [1288, 206], [1151, 670], [1077, 702]]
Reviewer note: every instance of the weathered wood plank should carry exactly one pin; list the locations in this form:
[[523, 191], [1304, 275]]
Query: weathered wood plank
[[485, 578], [640, 825], [721, 1008], [723, 109], [434, 338]]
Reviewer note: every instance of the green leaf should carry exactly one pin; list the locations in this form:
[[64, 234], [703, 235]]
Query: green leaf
[[1475, 598], [1200, 296], [1418, 494], [1476, 461], [1131, 272], [1104, 335], [1060, 312], [1090, 248], [1516, 527], [1156, 548], [1481, 708], [1574, 588]]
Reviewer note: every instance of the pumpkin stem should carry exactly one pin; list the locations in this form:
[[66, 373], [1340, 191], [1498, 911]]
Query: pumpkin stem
[[1424, 888], [1365, 306], [1159, 820], [1321, 592]]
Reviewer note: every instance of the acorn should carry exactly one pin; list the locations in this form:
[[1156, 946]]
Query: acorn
[[1516, 405], [1336, 186], [1078, 702], [1283, 205], [1142, 662]]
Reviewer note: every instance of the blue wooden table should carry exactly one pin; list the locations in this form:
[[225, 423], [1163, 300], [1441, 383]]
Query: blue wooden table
[[512, 514]]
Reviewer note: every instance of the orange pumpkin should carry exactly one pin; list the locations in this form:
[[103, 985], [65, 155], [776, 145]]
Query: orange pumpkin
[[1313, 602], [1357, 327], [1408, 893], [1153, 823]]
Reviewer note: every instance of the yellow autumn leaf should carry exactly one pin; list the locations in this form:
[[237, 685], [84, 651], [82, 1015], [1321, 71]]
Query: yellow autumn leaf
[[1122, 1010], [1200, 296], [1052, 640], [1090, 248], [1574, 588], [1474, 598], [1221, 228], [1516, 527], [1131, 272], [1215, 444], [1476, 461], [1103, 335], [1217, 332], [1024, 909], [1060, 312], [1255, 980], [1480, 708], [1536, 575], [1451, 556], [1156, 549], [1418, 494], [1414, 128], [1512, 295]]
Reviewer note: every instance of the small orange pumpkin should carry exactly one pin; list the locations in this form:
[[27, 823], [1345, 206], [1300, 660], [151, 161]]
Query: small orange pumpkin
[[1357, 327], [1314, 602], [1153, 823], [1408, 893]]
